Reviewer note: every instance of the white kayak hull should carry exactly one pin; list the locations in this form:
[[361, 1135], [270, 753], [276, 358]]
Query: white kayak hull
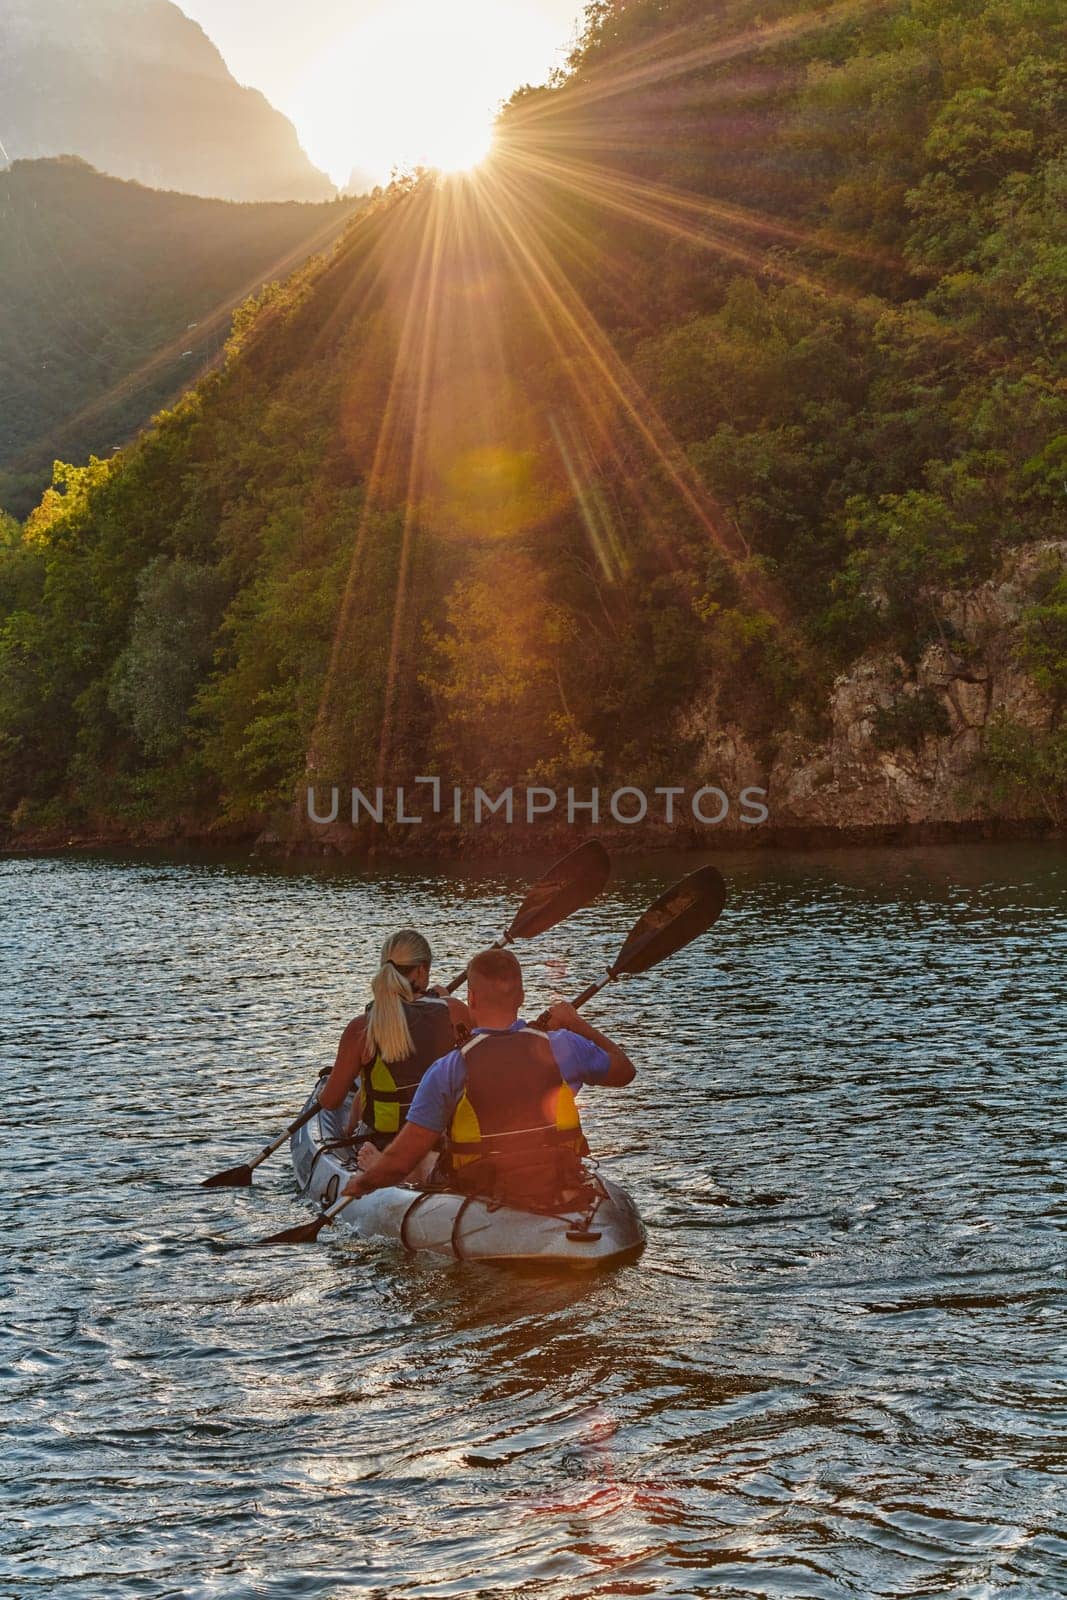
[[604, 1229]]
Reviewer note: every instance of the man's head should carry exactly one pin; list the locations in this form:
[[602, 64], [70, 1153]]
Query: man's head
[[494, 988]]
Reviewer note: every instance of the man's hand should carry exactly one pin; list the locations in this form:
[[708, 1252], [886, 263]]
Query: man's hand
[[621, 1070], [563, 1015], [368, 1157], [391, 1165]]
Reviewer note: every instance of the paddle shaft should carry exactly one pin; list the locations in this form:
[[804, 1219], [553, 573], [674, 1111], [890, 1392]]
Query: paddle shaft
[[457, 983], [276, 1144], [337, 1207], [240, 1177], [579, 1001], [308, 1232], [593, 989]]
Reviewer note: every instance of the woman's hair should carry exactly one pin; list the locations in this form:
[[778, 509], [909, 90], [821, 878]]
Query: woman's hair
[[387, 1026]]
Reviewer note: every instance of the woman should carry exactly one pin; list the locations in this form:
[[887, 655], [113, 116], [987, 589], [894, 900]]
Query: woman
[[407, 1027]]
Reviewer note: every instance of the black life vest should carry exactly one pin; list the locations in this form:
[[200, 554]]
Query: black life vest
[[516, 1134], [389, 1086]]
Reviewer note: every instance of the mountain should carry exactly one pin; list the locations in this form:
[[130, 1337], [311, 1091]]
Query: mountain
[[138, 90], [360, 182], [711, 436], [115, 297]]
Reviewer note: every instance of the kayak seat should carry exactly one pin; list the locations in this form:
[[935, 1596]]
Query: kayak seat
[[549, 1189]]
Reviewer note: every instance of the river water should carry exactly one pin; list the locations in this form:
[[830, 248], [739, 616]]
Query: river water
[[838, 1370]]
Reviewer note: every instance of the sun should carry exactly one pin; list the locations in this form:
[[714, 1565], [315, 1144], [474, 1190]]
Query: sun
[[463, 145], [418, 83]]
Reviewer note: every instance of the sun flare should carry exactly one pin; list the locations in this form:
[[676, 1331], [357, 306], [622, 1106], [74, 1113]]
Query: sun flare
[[462, 146], [418, 84]]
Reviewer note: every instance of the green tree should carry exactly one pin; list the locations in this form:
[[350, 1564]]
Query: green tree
[[172, 641]]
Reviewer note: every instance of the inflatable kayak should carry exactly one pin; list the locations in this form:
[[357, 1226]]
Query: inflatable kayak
[[602, 1227]]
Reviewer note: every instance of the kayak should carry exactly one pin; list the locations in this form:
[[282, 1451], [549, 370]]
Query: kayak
[[601, 1227]]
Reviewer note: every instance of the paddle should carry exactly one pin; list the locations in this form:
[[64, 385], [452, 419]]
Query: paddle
[[670, 923], [308, 1232], [679, 916], [566, 887], [241, 1177]]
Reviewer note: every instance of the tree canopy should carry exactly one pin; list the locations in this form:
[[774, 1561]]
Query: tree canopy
[[749, 353]]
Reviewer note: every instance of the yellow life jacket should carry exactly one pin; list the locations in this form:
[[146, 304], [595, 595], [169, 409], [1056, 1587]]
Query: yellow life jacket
[[516, 1133], [389, 1086]]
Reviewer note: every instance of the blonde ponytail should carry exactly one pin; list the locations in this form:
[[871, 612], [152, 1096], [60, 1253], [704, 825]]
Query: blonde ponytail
[[388, 1034]]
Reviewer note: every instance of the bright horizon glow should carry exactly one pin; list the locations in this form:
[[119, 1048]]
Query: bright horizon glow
[[417, 83]]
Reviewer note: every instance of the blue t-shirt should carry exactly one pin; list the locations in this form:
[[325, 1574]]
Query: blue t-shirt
[[579, 1061]]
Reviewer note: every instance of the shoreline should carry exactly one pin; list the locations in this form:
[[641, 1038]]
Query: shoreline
[[451, 848]]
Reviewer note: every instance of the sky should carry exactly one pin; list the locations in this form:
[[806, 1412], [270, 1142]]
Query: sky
[[377, 84]]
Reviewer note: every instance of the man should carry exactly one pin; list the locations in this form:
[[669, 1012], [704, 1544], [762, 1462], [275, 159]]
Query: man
[[504, 1101]]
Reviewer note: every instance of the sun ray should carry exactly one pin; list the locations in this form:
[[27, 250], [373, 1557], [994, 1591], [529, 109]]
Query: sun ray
[[429, 295], [387, 444], [583, 479], [556, 301], [428, 264], [691, 218], [659, 62]]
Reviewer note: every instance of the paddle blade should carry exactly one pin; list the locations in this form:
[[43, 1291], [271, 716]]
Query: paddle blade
[[306, 1233], [233, 1178], [566, 887], [682, 914]]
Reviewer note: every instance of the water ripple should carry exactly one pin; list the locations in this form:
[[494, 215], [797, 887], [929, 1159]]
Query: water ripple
[[838, 1370]]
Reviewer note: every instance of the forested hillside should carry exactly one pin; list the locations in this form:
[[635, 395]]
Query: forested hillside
[[115, 296], [138, 89], [714, 433]]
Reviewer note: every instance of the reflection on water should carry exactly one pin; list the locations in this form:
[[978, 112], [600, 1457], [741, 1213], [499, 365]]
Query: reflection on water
[[836, 1371]]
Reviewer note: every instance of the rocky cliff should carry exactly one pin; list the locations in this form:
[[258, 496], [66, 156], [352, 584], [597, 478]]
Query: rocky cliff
[[908, 745]]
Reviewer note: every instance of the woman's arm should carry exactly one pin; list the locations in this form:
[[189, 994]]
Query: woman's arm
[[346, 1067], [459, 1016]]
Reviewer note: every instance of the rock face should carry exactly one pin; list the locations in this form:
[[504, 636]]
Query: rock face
[[139, 91], [859, 777]]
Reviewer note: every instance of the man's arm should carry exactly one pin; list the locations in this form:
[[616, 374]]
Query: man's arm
[[396, 1160], [346, 1067], [435, 1101], [622, 1069]]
